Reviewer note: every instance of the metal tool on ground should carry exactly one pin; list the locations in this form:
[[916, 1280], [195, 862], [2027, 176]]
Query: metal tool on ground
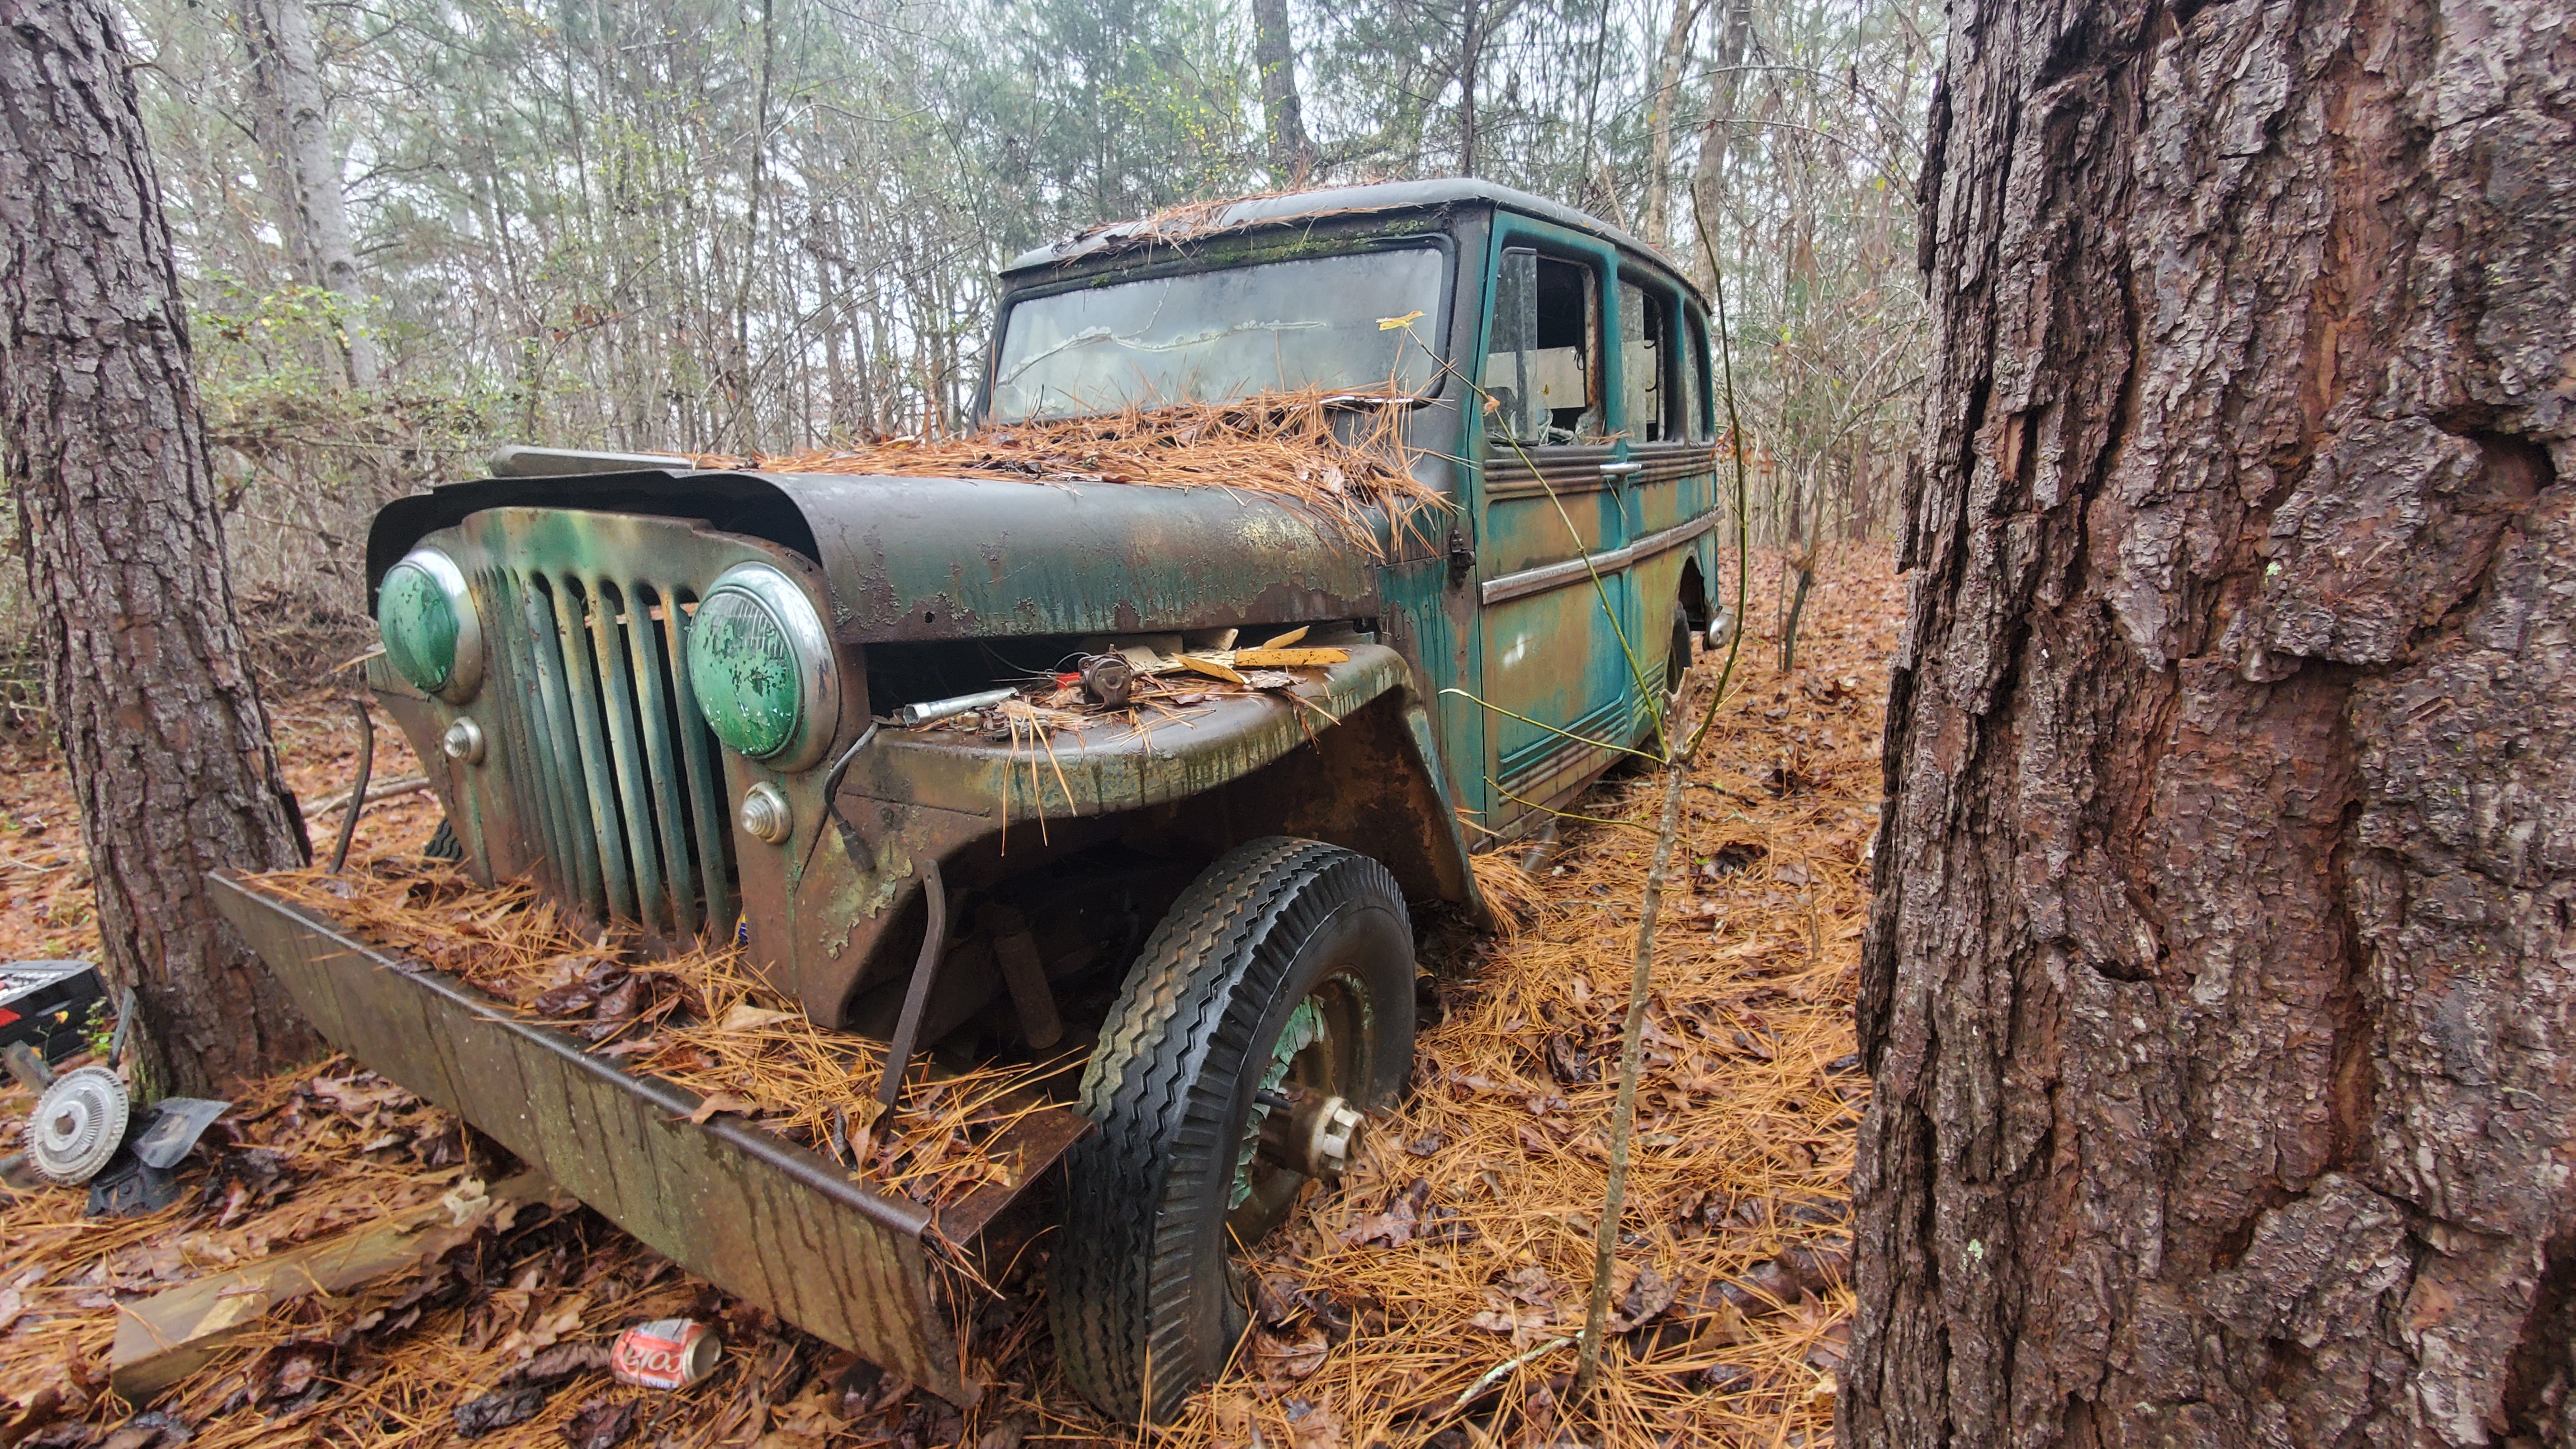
[[142, 1178], [78, 1125]]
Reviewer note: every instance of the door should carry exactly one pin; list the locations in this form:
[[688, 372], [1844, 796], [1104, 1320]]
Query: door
[[1667, 494], [1551, 529]]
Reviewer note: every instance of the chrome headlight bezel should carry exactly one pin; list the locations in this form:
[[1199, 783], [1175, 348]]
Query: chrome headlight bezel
[[816, 667], [465, 665]]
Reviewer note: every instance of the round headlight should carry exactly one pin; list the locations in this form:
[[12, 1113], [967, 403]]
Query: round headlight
[[761, 667], [432, 635]]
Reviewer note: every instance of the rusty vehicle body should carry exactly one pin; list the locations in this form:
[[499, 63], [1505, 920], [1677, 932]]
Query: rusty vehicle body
[[917, 884]]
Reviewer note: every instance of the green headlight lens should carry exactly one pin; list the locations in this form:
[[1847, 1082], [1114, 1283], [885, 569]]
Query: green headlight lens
[[744, 670], [419, 624]]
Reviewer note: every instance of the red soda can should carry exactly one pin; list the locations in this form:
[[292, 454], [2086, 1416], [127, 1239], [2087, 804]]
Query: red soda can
[[666, 1353]]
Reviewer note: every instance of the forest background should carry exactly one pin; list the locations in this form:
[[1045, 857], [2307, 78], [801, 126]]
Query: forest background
[[411, 229]]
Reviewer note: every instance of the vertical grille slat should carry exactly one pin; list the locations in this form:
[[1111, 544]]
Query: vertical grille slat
[[524, 748], [709, 822], [610, 608], [660, 732], [590, 734], [559, 773], [613, 774]]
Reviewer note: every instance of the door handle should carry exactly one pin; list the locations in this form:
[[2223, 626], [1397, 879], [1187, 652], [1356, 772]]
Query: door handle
[[1622, 470]]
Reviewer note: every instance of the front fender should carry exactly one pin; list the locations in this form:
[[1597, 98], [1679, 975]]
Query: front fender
[[1345, 755]]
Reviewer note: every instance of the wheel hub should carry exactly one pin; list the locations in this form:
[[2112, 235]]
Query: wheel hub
[[1315, 1136]]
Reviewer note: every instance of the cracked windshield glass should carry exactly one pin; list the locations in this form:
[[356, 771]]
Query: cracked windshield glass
[[1219, 335]]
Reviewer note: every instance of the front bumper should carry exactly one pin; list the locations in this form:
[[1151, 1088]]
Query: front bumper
[[768, 1220]]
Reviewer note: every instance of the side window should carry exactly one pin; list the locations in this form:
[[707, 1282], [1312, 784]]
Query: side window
[[1543, 369], [1652, 411]]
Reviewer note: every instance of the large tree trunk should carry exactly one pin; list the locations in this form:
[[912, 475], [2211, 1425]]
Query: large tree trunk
[[313, 212], [160, 718], [2220, 993]]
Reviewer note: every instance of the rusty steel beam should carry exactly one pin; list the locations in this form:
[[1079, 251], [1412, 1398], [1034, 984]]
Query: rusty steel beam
[[777, 1224]]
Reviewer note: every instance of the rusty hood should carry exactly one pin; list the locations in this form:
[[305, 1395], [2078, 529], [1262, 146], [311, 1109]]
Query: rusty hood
[[951, 558]]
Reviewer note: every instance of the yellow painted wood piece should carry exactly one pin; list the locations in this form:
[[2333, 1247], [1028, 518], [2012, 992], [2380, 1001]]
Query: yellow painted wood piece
[[1268, 658]]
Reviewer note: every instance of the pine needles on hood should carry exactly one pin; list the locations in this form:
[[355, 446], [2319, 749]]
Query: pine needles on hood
[[1343, 459]]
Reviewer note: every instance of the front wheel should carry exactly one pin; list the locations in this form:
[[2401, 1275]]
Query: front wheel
[[1274, 1000]]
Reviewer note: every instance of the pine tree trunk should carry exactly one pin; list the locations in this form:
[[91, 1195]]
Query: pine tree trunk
[[160, 718], [2220, 992]]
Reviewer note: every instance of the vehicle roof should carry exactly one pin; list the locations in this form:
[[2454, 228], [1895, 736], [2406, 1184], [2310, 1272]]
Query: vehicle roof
[[1199, 220]]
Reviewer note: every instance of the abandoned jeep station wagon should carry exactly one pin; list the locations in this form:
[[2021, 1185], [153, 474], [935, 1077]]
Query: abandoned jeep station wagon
[[711, 702]]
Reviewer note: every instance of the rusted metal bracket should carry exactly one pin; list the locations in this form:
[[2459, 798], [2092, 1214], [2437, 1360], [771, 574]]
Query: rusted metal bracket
[[357, 792], [934, 945], [1016, 952]]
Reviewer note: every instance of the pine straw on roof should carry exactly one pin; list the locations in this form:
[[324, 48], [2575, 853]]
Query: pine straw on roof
[[703, 1021], [1282, 445], [1195, 220], [1379, 1311]]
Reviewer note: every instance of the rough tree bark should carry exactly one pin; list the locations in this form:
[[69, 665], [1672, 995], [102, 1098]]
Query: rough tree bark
[[2220, 992], [313, 211], [160, 718]]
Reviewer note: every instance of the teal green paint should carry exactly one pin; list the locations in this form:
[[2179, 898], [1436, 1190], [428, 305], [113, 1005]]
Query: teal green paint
[[1304, 1028], [744, 673], [419, 625], [1417, 592], [1597, 690]]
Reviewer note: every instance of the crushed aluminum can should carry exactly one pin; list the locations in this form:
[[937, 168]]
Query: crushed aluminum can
[[667, 1353]]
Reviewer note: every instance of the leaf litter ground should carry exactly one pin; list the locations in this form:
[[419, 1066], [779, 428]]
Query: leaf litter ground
[[1446, 1268]]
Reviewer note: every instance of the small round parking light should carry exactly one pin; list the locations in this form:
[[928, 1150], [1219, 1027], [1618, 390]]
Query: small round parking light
[[765, 815], [463, 742]]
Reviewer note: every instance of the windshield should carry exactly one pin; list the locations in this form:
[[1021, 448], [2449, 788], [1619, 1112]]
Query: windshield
[[1221, 335]]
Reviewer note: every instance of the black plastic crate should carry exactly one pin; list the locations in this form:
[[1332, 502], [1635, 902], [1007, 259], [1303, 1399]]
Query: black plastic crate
[[47, 1004]]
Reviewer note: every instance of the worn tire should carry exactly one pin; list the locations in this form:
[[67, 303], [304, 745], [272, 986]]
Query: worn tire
[[444, 845], [1140, 1276]]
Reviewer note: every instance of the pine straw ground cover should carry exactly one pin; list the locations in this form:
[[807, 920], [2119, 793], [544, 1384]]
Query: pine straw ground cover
[[1451, 1261]]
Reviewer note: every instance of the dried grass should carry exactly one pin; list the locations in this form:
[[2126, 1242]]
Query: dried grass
[[1283, 445], [1461, 1246]]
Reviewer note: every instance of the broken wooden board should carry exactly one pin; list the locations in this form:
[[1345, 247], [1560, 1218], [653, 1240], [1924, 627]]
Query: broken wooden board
[[1268, 658], [168, 1336], [1199, 664]]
